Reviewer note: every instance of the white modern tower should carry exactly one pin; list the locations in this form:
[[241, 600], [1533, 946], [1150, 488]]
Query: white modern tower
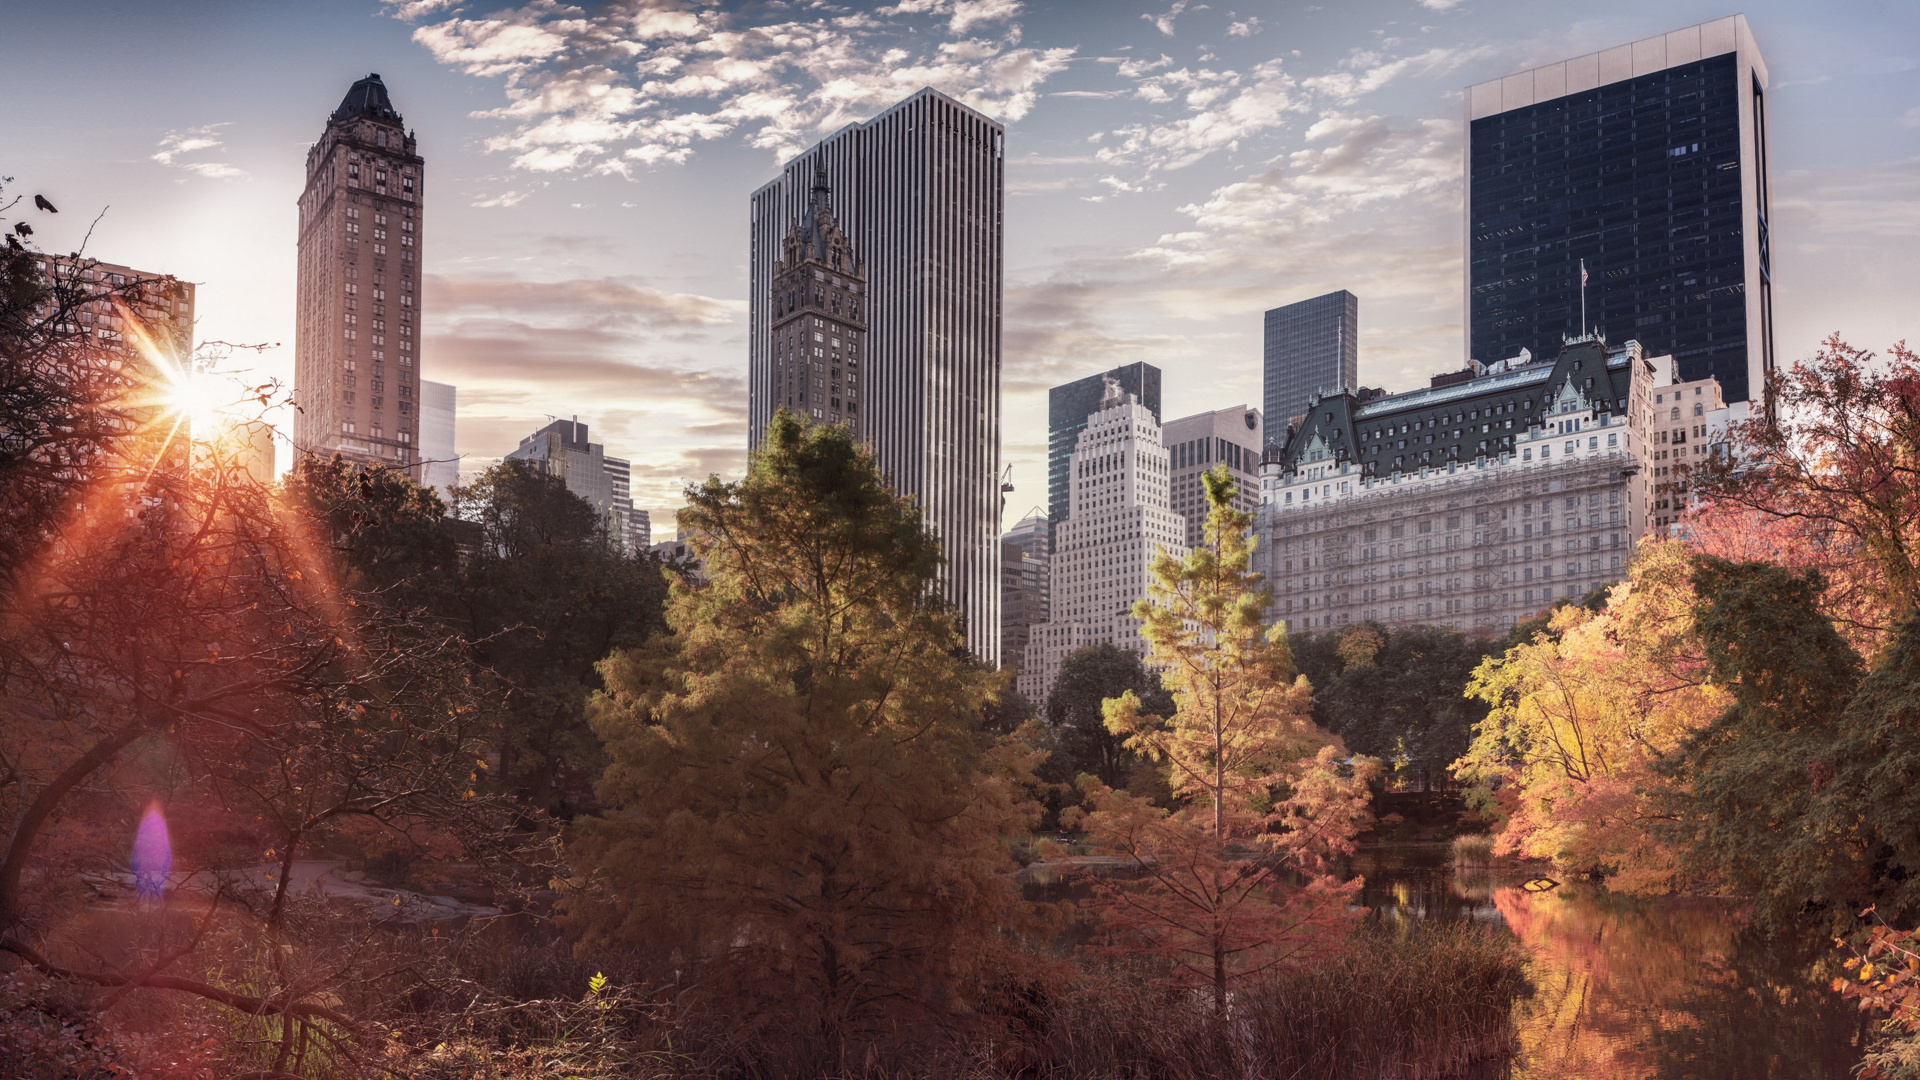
[[918, 193]]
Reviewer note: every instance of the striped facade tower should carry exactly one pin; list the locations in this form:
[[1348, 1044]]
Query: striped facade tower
[[918, 193]]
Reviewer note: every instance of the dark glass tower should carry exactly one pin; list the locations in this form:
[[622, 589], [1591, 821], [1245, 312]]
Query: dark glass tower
[[1068, 407], [1311, 347], [1649, 162]]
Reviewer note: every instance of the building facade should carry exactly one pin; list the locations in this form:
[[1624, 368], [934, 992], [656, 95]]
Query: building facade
[[1474, 503], [562, 449], [819, 316], [1311, 347], [1120, 519], [357, 324], [439, 461], [1231, 437], [1647, 162], [620, 521], [1690, 425], [918, 193], [1026, 584], [1068, 408]]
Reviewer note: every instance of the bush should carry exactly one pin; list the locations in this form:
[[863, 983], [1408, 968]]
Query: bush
[[1473, 849]]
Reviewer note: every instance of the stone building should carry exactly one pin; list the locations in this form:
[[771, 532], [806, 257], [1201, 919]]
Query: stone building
[[1120, 517], [1026, 584], [1195, 444], [819, 317], [1473, 503], [357, 314]]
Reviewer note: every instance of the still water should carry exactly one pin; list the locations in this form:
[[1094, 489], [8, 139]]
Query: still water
[[1628, 989]]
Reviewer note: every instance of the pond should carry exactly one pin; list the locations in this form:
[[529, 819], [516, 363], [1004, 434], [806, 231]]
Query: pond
[[1632, 989]]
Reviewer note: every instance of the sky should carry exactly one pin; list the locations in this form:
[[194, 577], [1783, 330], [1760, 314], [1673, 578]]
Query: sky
[[1173, 170]]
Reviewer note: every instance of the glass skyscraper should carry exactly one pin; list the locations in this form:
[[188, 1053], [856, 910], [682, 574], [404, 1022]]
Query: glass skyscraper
[[1068, 407], [918, 191], [1311, 347], [1647, 161]]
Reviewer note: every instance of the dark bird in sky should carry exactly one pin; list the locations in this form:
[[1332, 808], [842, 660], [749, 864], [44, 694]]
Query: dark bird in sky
[[23, 228], [40, 203]]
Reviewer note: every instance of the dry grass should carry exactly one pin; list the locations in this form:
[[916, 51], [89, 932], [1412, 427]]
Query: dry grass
[[1473, 849]]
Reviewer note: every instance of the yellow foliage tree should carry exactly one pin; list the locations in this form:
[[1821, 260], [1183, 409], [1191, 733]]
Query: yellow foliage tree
[[1578, 718]]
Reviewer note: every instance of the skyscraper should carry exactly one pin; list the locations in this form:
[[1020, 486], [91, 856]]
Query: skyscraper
[[917, 192], [356, 333], [625, 529], [1649, 163], [1026, 584], [1312, 347], [1195, 444], [562, 449], [440, 462], [819, 316], [1068, 408], [1121, 518]]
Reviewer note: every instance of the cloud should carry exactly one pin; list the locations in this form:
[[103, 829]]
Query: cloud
[[1224, 108], [1245, 27], [178, 144], [1911, 118], [646, 83], [1164, 22], [1439, 5], [1366, 70], [411, 10]]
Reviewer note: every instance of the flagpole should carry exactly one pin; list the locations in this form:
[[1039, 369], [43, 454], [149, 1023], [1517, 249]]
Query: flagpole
[[1583, 297]]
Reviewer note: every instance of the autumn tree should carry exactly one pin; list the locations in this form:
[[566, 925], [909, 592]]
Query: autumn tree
[[801, 808], [1265, 798], [1580, 716]]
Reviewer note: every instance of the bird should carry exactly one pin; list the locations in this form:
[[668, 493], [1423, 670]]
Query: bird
[[40, 203], [23, 228]]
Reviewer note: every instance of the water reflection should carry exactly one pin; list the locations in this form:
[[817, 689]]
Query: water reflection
[[1639, 989]]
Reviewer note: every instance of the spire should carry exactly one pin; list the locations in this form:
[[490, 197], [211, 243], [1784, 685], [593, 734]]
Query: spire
[[811, 233], [367, 98]]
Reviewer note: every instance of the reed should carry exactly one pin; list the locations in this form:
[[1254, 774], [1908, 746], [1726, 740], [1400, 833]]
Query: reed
[[1473, 849]]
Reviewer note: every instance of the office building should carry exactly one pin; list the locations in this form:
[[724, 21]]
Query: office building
[[1473, 503], [1069, 406], [1690, 425], [1649, 163], [917, 194], [1025, 584], [1120, 518], [357, 314], [1231, 437], [439, 461], [1311, 347], [819, 316], [623, 526], [562, 449]]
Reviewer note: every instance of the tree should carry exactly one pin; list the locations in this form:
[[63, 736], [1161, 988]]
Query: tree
[[1399, 696], [1838, 453], [1076, 719], [1262, 793], [800, 806], [1580, 716]]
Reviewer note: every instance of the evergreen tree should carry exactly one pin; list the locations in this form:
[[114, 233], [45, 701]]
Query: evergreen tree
[[800, 802]]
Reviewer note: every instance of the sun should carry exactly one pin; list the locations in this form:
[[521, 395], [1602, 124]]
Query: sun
[[199, 398]]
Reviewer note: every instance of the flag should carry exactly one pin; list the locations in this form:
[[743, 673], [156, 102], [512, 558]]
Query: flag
[[1583, 273]]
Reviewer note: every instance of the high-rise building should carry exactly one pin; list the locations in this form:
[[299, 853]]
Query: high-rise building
[[917, 193], [1473, 503], [1231, 437], [562, 449], [440, 462], [629, 533], [819, 316], [1120, 519], [357, 321], [1690, 426], [1311, 347], [1069, 406], [1026, 584], [1647, 163], [640, 528]]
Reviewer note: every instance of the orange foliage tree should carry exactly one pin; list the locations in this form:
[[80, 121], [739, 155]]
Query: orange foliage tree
[[1237, 878], [1580, 716]]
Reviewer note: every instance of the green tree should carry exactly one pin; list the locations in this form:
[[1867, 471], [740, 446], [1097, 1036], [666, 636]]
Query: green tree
[[1399, 696], [801, 803], [1264, 798], [1077, 731]]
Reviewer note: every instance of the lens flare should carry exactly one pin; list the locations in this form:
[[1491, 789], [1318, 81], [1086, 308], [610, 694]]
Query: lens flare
[[152, 856]]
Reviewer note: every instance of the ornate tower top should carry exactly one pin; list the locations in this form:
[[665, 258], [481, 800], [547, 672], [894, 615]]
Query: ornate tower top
[[817, 236], [368, 100]]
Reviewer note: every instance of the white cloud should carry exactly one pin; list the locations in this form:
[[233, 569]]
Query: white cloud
[[647, 83], [178, 144], [1226, 108], [1245, 27], [1367, 70], [410, 10], [1164, 22], [1439, 5]]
